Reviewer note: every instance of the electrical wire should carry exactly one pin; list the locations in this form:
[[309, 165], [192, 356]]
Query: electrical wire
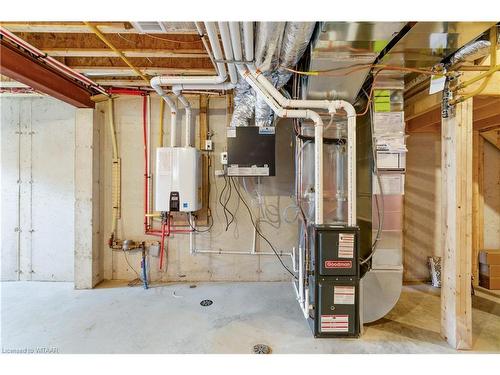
[[138, 279], [380, 213], [197, 230], [227, 209], [220, 199], [357, 67], [173, 40], [258, 231]]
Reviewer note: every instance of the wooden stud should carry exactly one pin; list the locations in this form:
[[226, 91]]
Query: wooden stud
[[477, 203], [203, 135], [456, 197]]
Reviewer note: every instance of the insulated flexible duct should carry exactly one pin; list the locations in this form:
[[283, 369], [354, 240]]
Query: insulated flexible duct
[[267, 52], [293, 43], [471, 52]]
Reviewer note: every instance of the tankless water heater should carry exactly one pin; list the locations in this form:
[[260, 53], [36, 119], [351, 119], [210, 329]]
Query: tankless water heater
[[178, 179]]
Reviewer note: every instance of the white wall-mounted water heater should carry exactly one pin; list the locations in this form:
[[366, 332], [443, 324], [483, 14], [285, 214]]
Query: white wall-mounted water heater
[[178, 179]]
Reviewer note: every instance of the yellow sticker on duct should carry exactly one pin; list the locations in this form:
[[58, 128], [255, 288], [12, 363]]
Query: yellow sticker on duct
[[382, 106]]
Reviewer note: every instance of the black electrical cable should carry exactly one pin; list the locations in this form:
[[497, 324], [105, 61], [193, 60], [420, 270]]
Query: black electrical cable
[[227, 209], [328, 141], [204, 230], [258, 231], [220, 199]]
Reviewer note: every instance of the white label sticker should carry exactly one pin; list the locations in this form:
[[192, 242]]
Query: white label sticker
[[437, 84], [346, 245], [343, 295], [231, 133], [334, 323]]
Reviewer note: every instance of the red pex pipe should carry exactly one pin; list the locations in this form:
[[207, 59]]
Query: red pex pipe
[[122, 91], [144, 128]]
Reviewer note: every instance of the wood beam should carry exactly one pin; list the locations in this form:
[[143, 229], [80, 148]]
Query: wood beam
[[487, 124], [421, 103], [477, 203], [424, 123], [456, 240], [32, 73]]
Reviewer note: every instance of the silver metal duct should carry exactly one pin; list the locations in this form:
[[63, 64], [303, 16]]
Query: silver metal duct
[[295, 41], [267, 44]]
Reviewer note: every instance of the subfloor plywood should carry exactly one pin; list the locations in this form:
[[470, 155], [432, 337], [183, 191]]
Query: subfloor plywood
[[115, 318]]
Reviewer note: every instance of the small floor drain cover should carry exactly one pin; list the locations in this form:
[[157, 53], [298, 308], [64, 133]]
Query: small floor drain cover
[[261, 349], [206, 302], [192, 286]]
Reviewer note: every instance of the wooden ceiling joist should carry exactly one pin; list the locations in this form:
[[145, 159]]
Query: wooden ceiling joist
[[122, 42], [486, 116], [124, 71], [106, 52], [153, 62], [79, 27]]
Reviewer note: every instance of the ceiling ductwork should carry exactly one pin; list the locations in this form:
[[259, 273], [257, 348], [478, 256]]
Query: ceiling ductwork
[[154, 27], [278, 45]]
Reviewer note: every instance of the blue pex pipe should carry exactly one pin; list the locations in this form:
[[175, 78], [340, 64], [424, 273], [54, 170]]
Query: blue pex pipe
[[144, 273]]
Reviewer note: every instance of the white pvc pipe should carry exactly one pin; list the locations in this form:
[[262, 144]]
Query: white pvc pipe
[[173, 110], [237, 252], [290, 103], [219, 86], [248, 40], [228, 50], [213, 37], [189, 115], [205, 44], [234, 28], [318, 137], [351, 163]]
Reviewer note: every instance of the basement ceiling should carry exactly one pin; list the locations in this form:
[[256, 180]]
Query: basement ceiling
[[169, 48]]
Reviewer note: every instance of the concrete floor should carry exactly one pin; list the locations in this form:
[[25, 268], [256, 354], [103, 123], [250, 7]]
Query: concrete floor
[[169, 319]]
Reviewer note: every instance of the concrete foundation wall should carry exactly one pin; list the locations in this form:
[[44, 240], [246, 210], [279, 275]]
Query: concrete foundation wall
[[37, 189], [180, 264]]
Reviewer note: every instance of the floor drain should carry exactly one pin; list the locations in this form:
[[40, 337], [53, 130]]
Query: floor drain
[[206, 302], [192, 286], [261, 349]]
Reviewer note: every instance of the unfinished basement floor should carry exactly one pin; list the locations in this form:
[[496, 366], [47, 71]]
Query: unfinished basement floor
[[115, 318]]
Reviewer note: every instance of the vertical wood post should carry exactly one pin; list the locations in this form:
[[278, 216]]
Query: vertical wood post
[[456, 196], [203, 135]]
